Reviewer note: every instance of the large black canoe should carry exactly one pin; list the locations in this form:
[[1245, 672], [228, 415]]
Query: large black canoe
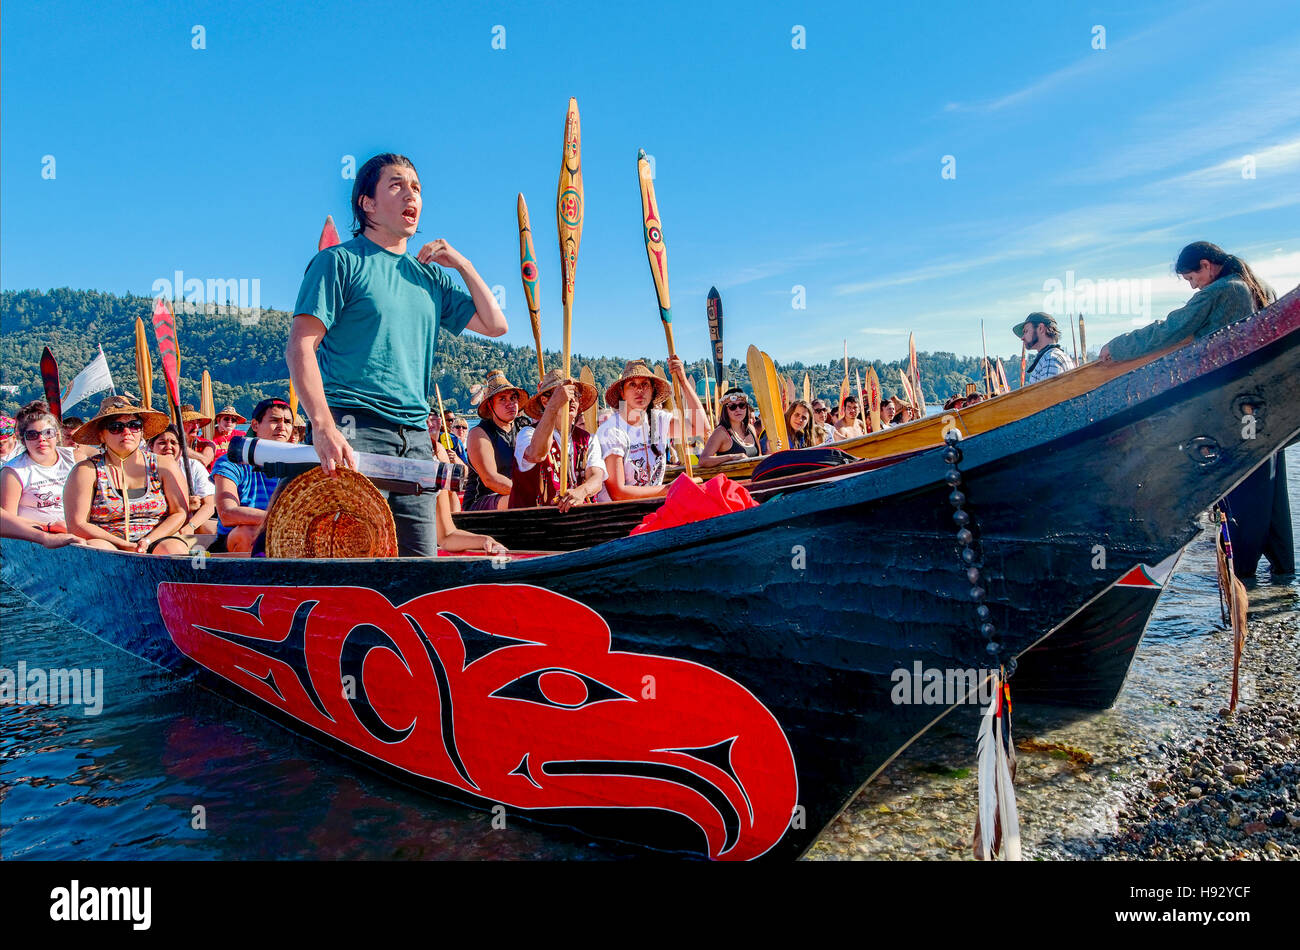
[[722, 687]]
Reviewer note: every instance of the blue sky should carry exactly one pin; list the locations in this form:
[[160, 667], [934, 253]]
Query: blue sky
[[776, 167]]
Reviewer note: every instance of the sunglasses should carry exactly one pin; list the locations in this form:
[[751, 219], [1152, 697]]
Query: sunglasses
[[117, 428], [460, 428], [31, 435]]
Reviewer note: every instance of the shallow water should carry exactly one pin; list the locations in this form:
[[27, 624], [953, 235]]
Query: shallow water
[[168, 769]]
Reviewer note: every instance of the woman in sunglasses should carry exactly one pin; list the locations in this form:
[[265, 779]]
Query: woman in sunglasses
[[126, 498], [31, 486], [736, 436]]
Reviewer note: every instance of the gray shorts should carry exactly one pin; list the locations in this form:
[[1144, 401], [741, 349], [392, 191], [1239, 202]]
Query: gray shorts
[[413, 514]]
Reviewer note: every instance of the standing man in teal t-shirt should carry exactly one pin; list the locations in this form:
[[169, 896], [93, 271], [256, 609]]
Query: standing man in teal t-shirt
[[365, 329]]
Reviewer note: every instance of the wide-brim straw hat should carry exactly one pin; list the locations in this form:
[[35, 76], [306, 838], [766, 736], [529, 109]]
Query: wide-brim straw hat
[[88, 432], [496, 384], [341, 515], [231, 411], [586, 394], [638, 369], [188, 415]]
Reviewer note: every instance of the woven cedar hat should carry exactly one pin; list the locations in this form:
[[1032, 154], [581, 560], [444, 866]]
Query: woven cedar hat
[[188, 415], [496, 384], [341, 515], [586, 394], [231, 411], [88, 432], [637, 369]]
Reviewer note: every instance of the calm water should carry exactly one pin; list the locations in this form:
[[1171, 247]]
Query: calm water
[[128, 783]]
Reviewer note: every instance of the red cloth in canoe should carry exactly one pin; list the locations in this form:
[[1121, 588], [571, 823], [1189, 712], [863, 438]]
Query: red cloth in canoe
[[687, 502]]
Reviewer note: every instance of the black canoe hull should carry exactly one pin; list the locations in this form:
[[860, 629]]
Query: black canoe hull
[[735, 672]]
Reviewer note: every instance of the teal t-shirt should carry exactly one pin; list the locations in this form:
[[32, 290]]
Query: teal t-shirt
[[382, 312]]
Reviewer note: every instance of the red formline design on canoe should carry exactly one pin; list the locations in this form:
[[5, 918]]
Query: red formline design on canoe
[[508, 692]]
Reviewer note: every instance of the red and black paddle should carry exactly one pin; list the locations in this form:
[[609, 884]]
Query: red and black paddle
[[50, 380], [164, 329]]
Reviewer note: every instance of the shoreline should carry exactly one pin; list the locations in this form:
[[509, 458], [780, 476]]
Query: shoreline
[[1117, 784]]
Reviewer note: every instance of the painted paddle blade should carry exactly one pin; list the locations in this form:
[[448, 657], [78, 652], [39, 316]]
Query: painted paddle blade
[[713, 309], [589, 417], [50, 382], [329, 235], [862, 396], [907, 389], [143, 365], [293, 401], [569, 203], [206, 406], [532, 285], [164, 329], [873, 398], [652, 230]]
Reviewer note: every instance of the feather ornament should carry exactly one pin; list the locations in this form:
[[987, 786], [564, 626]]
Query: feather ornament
[[997, 823]]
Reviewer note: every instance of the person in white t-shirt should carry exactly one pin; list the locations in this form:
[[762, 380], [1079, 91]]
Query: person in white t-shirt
[[31, 485], [203, 498], [635, 439]]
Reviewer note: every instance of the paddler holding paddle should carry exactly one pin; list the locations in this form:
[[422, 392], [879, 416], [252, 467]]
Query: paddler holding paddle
[[536, 476], [635, 439], [365, 330]]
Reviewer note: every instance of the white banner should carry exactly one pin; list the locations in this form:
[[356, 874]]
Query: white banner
[[95, 378]]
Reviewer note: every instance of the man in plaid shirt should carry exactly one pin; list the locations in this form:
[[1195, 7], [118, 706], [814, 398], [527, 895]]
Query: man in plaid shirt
[[1039, 332]]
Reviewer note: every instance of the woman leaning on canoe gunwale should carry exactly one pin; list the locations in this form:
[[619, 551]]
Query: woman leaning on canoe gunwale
[[1227, 290], [126, 498], [31, 485]]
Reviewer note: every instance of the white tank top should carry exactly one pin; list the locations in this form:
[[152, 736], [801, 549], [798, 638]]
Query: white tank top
[[42, 498]]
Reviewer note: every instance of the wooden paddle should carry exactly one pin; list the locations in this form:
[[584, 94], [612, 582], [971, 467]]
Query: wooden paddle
[[143, 365], [758, 379], [164, 330], [807, 389], [50, 382], [443, 435], [329, 235], [1083, 342], [569, 211], [293, 402], [862, 399], [713, 310], [873, 394], [907, 388], [1022, 364], [844, 386], [984, 340], [206, 406], [589, 417], [1074, 342], [657, 254], [778, 428], [532, 284], [916, 376], [1004, 386]]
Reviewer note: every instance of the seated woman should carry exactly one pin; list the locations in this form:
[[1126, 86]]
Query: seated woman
[[125, 498], [736, 437], [799, 426], [205, 450], [31, 486], [202, 501], [451, 538], [635, 439], [536, 476], [492, 445], [823, 429], [887, 412]]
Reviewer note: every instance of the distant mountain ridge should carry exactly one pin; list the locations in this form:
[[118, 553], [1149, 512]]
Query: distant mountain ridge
[[244, 354]]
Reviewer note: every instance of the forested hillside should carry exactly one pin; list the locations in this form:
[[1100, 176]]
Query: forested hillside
[[245, 356]]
